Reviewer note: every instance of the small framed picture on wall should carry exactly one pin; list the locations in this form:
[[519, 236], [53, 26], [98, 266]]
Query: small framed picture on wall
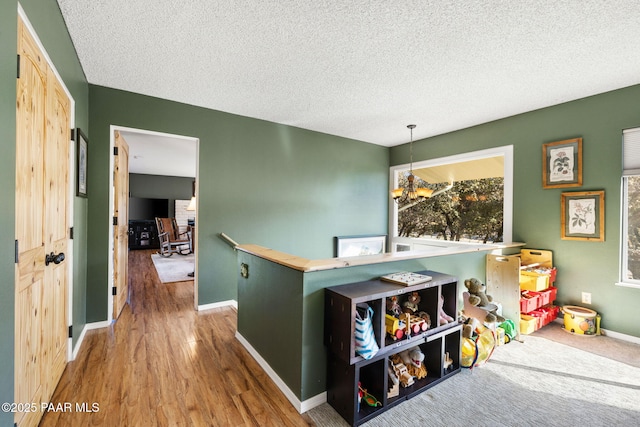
[[82, 145], [562, 164], [582, 216]]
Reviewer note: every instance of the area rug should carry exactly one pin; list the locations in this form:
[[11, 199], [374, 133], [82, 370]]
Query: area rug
[[537, 382], [175, 268]]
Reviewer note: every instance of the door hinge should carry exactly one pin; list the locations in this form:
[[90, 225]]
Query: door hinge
[[18, 70], [115, 220], [115, 151], [17, 251], [73, 134], [70, 331], [71, 233], [114, 291]]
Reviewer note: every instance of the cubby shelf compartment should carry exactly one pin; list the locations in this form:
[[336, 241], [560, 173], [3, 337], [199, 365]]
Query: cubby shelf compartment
[[340, 307], [345, 369]]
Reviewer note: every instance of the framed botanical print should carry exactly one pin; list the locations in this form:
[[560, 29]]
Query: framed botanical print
[[562, 164], [582, 216]]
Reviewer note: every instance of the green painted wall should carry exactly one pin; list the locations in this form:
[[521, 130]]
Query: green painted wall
[[47, 20], [270, 307], [582, 266], [8, 42], [274, 185]]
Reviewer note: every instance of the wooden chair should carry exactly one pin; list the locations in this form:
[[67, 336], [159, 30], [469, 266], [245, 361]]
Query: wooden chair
[[171, 240]]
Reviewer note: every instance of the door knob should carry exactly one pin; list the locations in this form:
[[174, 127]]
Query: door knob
[[53, 258]]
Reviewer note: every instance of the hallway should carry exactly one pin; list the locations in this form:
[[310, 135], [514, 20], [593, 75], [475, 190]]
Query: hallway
[[164, 364]]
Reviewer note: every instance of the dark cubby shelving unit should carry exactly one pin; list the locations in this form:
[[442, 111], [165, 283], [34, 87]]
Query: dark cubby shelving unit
[[345, 369]]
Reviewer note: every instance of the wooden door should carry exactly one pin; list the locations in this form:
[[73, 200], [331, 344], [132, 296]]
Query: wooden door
[[43, 112], [121, 229]]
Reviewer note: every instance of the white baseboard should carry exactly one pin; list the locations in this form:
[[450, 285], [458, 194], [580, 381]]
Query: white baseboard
[[227, 303], [87, 327], [316, 400], [618, 335], [608, 333], [300, 406]]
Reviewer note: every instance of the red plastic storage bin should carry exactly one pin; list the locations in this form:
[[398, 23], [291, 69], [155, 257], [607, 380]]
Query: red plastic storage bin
[[548, 314], [529, 301], [548, 295]]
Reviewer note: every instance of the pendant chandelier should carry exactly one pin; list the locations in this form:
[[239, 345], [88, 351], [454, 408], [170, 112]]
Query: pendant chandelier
[[411, 193]]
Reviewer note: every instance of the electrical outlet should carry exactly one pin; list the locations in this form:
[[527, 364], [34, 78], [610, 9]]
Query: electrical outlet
[[244, 270], [586, 298]]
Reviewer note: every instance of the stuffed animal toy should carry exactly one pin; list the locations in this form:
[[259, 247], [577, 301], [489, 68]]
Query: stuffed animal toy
[[443, 318], [411, 304], [478, 298], [477, 295], [393, 308], [469, 327], [426, 317], [413, 359]]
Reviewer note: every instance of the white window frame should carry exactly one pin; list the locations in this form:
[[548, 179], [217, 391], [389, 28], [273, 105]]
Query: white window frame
[[631, 157], [417, 243]]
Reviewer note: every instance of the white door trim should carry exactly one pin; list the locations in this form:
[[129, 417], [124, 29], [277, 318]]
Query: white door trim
[[112, 130]]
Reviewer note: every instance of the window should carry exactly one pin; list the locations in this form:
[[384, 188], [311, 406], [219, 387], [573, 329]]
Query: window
[[472, 201], [630, 224]]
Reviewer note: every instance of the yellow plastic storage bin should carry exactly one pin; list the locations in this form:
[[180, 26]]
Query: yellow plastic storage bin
[[528, 324], [540, 260], [535, 282]]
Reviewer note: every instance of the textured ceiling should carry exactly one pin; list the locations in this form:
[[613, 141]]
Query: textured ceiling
[[361, 69]]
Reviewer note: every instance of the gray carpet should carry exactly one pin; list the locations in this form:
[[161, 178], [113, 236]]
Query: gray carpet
[[622, 351], [537, 382], [174, 268]]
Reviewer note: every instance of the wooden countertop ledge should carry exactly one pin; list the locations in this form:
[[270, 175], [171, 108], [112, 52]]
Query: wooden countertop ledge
[[307, 265]]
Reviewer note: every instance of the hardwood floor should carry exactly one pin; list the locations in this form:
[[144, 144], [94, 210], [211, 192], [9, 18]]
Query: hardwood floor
[[164, 364]]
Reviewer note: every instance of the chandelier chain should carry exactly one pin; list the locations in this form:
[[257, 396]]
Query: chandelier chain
[[411, 193]]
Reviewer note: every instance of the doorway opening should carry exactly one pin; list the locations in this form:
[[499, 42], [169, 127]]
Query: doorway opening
[[162, 169]]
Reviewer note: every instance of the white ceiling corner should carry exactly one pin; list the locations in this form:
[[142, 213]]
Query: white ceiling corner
[[151, 153], [361, 69]]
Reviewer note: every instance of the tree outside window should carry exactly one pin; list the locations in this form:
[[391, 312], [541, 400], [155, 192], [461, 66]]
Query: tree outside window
[[633, 227], [471, 211]]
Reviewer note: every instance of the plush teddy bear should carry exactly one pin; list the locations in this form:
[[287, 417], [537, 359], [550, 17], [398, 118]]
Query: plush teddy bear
[[478, 298], [477, 295], [469, 327], [411, 304], [413, 359]]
